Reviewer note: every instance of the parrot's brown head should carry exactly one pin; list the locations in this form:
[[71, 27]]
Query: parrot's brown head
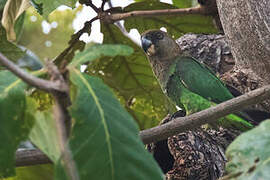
[[158, 44]]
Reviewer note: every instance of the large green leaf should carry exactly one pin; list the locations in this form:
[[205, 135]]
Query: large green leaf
[[10, 50], [132, 79], [104, 140], [45, 7], [99, 50], [52, 44], [176, 25], [40, 172], [15, 119], [249, 154], [44, 134]]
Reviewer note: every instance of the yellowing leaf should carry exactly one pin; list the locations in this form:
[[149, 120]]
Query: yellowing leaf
[[13, 9]]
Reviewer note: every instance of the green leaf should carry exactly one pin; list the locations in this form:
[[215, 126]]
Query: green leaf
[[104, 141], [132, 79], [176, 25], [12, 11], [249, 154], [29, 60], [10, 50], [44, 134], [18, 27], [38, 7], [40, 172], [56, 41], [99, 50], [45, 7], [2, 4], [184, 3], [15, 119]]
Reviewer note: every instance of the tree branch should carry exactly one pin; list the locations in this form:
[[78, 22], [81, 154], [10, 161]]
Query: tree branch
[[209, 115], [63, 123], [42, 84], [61, 116], [111, 18], [182, 124], [74, 39]]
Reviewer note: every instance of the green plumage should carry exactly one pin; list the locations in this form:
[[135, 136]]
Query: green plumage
[[188, 83], [198, 89]]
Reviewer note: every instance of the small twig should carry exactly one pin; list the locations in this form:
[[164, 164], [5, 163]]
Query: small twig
[[210, 115], [31, 157], [60, 119], [42, 84], [111, 18], [89, 3], [103, 4], [63, 122], [122, 28], [74, 39]]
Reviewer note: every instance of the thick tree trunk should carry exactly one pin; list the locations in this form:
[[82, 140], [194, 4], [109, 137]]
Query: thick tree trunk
[[246, 24]]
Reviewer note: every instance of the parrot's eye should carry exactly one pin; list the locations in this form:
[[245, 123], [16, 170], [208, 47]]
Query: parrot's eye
[[159, 36]]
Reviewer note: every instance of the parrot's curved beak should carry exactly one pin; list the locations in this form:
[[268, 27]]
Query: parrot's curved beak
[[146, 43]]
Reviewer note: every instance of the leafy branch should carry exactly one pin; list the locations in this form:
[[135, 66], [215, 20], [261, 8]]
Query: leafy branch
[[49, 86], [58, 88], [182, 124]]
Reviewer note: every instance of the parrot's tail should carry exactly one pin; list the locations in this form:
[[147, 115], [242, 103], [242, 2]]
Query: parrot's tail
[[253, 116]]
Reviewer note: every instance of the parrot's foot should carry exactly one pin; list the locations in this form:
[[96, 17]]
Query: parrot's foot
[[179, 113]]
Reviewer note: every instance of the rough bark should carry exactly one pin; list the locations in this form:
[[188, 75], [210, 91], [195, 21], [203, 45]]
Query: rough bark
[[247, 27], [199, 154], [193, 155]]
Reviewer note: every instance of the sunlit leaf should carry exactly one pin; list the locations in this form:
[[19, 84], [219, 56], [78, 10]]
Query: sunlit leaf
[[13, 9], [99, 50], [104, 141], [249, 154], [184, 3], [40, 172], [52, 43], [15, 119], [45, 7], [44, 134]]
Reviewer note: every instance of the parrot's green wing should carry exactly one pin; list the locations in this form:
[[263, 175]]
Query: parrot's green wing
[[192, 103], [199, 79], [197, 87]]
